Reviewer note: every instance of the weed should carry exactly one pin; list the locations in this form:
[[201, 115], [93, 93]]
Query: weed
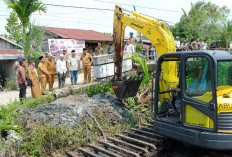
[[10, 84], [91, 91]]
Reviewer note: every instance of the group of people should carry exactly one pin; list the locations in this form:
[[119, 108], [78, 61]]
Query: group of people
[[194, 45], [130, 45], [98, 51], [47, 69]]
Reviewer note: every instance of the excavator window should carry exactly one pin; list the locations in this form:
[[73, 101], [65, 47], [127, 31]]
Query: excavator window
[[169, 92], [198, 79], [224, 73]]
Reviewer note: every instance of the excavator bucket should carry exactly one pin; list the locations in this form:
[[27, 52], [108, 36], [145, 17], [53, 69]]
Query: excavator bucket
[[127, 87]]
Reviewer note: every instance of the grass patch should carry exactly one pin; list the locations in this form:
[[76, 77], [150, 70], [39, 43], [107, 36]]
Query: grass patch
[[47, 140], [10, 84]]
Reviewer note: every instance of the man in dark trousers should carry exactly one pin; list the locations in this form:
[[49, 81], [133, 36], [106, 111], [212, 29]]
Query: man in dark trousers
[[21, 80], [61, 69]]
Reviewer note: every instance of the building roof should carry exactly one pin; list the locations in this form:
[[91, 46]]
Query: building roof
[[68, 33], [19, 46], [10, 54]]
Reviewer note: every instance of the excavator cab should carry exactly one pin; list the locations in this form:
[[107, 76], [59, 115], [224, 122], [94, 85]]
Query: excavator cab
[[193, 98]]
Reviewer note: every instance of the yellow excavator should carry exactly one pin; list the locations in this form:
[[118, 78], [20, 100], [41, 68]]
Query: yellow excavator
[[193, 89]]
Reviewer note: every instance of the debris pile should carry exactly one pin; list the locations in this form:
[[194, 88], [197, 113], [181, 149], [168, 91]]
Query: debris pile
[[71, 110]]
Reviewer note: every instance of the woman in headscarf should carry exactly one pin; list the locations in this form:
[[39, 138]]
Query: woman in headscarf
[[35, 88]]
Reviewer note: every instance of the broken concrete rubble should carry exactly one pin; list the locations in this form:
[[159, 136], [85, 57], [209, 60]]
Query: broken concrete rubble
[[71, 110]]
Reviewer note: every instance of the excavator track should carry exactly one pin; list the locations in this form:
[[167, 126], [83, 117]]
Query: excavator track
[[138, 142], [143, 142]]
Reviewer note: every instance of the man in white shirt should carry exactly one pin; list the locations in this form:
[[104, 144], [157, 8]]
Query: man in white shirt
[[204, 45], [178, 47], [129, 47], [74, 66], [61, 70]]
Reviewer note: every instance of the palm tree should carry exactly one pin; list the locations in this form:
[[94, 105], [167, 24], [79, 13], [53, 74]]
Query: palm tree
[[24, 10], [227, 33]]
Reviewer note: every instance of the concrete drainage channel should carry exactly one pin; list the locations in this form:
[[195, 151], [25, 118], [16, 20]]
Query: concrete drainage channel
[[135, 143]]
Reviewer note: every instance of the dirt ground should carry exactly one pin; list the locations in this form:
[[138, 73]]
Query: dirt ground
[[6, 97]]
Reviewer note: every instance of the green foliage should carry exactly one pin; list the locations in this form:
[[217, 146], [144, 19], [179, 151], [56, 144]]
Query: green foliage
[[13, 28], [108, 34], [24, 9], [8, 112], [35, 102], [91, 91], [203, 21], [143, 63], [10, 84], [138, 48], [227, 34], [35, 57], [34, 39], [7, 117], [133, 102], [48, 138]]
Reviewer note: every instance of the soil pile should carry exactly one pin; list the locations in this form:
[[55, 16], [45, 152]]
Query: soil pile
[[71, 110]]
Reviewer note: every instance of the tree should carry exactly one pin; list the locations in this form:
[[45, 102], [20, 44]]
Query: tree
[[204, 20], [13, 28], [24, 10], [108, 34], [34, 38], [227, 34]]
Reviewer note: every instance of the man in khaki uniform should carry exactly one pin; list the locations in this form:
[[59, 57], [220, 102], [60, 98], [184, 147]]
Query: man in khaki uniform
[[51, 68], [87, 60], [132, 39], [43, 73], [98, 50]]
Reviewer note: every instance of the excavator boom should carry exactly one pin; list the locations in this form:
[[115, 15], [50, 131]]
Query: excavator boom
[[155, 30]]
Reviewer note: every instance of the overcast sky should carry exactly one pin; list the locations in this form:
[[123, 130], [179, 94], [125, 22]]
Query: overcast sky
[[102, 21]]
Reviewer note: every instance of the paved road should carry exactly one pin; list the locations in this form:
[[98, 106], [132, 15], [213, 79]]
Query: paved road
[[6, 97]]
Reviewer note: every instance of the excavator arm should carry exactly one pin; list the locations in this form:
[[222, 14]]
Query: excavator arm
[[158, 34], [155, 30]]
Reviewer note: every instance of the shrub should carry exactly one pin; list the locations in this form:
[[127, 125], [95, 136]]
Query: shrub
[[91, 91], [10, 84]]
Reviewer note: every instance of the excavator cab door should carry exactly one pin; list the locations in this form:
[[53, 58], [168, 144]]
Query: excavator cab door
[[185, 95], [167, 89], [199, 92]]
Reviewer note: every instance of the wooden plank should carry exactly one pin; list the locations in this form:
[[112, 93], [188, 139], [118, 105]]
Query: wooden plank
[[71, 154], [104, 151], [121, 150], [149, 134], [91, 154], [136, 141], [129, 145], [153, 140]]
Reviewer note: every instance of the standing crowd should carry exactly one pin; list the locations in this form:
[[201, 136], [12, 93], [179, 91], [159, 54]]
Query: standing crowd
[[47, 69], [194, 45]]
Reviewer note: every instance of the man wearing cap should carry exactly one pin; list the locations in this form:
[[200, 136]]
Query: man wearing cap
[[61, 69], [51, 68], [87, 60], [46, 55], [98, 50], [178, 46], [43, 73], [129, 47], [132, 39], [110, 48]]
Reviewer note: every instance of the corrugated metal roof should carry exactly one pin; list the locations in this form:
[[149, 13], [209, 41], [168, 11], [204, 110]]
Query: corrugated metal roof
[[68, 33], [10, 54], [19, 46]]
